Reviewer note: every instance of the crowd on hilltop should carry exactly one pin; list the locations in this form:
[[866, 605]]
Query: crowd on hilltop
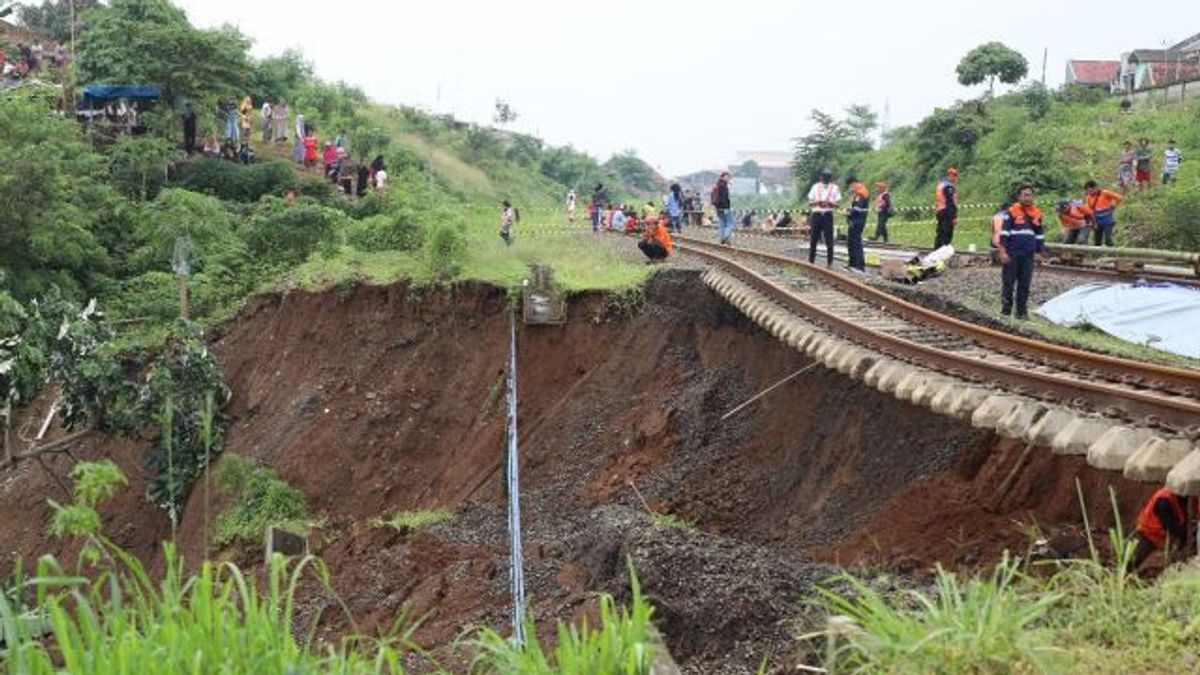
[[29, 58], [234, 120]]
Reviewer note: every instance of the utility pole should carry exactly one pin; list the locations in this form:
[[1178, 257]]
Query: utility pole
[[1045, 56]]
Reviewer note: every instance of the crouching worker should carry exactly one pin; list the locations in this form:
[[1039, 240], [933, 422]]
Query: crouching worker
[[656, 241], [1076, 222], [1162, 524], [1022, 241]]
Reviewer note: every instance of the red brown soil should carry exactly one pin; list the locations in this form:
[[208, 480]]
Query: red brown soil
[[381, 399]]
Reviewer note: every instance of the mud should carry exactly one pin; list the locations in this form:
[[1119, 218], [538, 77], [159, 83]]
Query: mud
[[375, 400]]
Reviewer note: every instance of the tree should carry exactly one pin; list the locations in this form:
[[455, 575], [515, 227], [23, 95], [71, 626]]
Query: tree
[[504, 113], [634, 173], [832, 142], [862, 122], [278, 78], [949, 136], [52, 18], [748, 169], [151, 42], [991, 61]]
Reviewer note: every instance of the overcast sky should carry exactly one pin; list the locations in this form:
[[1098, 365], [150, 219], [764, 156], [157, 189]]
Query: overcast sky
[[686, 83]]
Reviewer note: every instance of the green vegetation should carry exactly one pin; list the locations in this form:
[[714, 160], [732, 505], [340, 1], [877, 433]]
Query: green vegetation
[[218, 620], [410, 521], [664, 520], [260, 498], [1073, 616], [623, 644], [991, 61]]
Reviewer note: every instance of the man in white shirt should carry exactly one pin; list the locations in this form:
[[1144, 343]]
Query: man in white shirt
[[823, 200]]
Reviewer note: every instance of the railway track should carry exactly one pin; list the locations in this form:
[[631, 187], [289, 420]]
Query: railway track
[[1139, 394]]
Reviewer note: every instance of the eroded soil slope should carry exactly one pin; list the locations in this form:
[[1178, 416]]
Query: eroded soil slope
[[375, 400]]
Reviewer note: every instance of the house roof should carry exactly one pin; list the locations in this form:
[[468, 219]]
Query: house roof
[[1094, 72], [1154, 55], [1190, 44]]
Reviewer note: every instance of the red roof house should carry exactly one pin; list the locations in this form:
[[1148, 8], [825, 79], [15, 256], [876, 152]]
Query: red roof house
[[1092, 73]]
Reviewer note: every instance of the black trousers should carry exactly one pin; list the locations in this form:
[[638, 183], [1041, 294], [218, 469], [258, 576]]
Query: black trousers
[[945, 228], [854, 244], [653, 249], [1104, 234], [820, 225], [1019, 273], [881, 227]]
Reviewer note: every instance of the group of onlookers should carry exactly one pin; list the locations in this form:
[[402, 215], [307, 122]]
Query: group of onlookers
[[235, 120], [30, 58], [1136, 165]]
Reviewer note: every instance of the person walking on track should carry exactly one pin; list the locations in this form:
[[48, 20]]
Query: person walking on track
[[945, 204], [856, 222], [823, 200], [883, 211], [721, 202], [1021, 243]]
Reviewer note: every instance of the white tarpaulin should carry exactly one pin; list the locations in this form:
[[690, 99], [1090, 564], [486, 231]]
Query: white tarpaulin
[[1163, 316]]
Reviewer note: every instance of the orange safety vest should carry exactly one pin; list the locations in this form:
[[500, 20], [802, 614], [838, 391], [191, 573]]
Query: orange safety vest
[[1075, 217], [1103, 206], [1148, 524], [939, 195], [663, 236]]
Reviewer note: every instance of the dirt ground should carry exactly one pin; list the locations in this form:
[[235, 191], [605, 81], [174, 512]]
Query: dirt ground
[[374, 400]]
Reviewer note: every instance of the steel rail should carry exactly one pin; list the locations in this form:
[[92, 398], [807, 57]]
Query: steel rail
[[1180, 413]]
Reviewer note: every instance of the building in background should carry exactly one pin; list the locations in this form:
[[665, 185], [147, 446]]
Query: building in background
[[1150, 68], [1093, 74]]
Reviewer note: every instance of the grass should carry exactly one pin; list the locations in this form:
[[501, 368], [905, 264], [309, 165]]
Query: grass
[[409, 521], [261, 498], [1083, 616], [579, 262], [624, 643], [665, 520], [215, 621]]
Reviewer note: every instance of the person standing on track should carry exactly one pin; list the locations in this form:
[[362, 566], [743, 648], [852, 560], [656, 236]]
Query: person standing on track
[[599, 200], [1162, 524], [883, 211], [571, 206], [1021, 243], [721, 202], [675, 208], [856, 222], [945, 204], [823, 199], [1102, 204]]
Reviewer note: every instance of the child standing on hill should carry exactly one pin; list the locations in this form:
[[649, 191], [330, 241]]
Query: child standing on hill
[[1171, 160], [1144, 156]]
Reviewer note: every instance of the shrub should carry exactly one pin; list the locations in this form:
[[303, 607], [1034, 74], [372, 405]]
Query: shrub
[[1174, 225], [406, 521], [261, 498], [398, 231], [288, 234], [238, 182], [444, 252]]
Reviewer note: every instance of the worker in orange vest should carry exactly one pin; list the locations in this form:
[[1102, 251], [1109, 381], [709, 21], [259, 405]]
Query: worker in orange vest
[[945, 203], [1103, 205], [656, 241], [1076, 221], [1163, 524]]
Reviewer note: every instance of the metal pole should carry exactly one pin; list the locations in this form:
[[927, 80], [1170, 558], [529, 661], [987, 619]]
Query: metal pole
[[517, 564]]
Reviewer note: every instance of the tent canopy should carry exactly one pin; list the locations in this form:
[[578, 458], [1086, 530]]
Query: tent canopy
[[102, 93]]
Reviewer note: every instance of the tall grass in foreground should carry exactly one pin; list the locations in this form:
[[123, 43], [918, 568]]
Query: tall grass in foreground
[[1080, 616], [216, 621], [623, 644]]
